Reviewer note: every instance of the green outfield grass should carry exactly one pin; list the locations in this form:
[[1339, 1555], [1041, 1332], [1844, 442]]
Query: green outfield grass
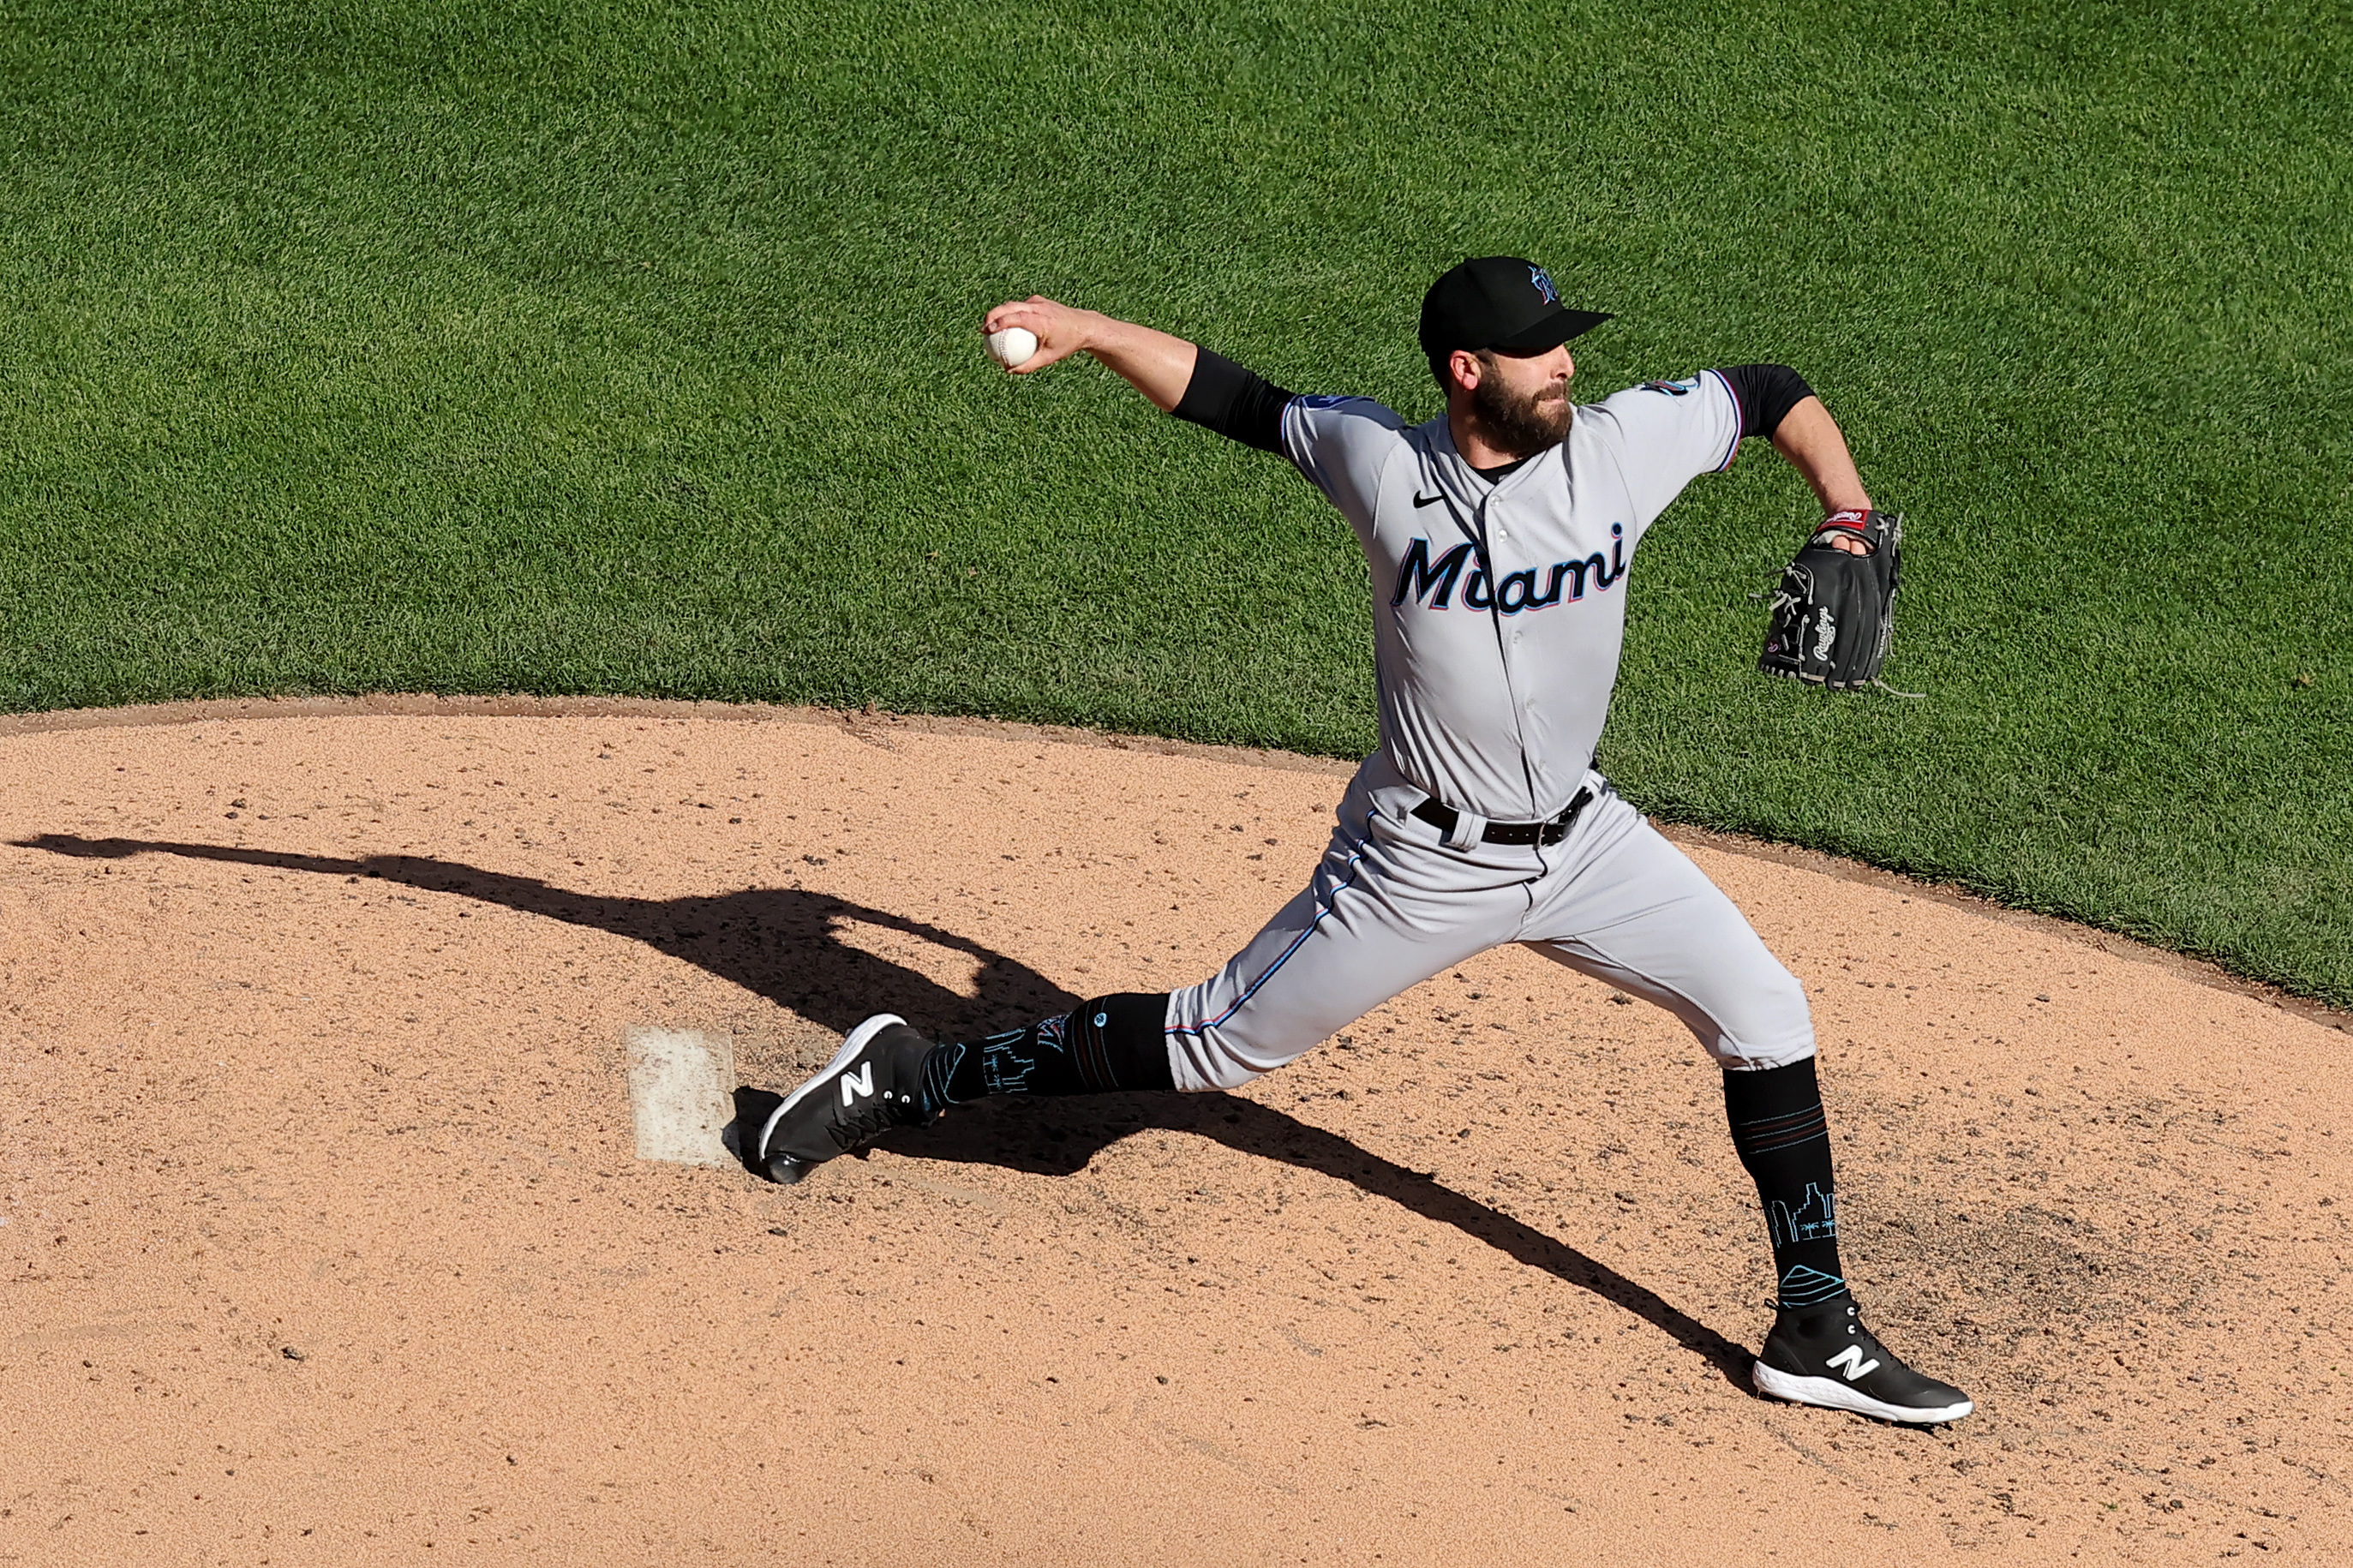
[[591, 348]]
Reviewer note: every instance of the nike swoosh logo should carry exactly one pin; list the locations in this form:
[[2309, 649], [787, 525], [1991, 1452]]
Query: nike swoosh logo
[[1428, 500]]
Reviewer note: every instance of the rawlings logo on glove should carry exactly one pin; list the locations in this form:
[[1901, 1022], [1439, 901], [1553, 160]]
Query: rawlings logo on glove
[[1834, 613]]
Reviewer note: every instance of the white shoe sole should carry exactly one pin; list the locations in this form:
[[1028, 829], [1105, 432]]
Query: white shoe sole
[[855, 1043], [1832, 1395]]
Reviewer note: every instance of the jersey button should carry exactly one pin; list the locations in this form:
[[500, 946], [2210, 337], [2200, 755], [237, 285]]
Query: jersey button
[[1515, 639]]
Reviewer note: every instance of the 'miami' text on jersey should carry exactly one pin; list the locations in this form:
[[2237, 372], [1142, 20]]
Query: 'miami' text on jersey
[[1499, 610]]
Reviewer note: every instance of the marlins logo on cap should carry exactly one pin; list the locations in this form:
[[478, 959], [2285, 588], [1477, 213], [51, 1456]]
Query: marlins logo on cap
[[1543, 280]]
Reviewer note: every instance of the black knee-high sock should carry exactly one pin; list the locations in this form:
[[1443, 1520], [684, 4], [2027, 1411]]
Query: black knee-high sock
[[1111, 1043], [1784, 1140]]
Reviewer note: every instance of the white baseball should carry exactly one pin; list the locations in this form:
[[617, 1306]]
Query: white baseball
[[1012, 346]]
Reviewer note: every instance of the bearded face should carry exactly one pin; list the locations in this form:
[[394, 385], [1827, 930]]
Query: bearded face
[[1521, 423]]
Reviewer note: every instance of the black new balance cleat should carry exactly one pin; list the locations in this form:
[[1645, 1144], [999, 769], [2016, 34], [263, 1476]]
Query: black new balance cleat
[[875, 1082], [1825, 1356]]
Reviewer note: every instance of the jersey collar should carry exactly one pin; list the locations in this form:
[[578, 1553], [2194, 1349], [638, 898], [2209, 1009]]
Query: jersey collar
[[1447, 467]]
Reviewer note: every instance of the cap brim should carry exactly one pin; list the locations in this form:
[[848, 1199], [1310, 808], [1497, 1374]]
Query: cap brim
[[1551, 331]]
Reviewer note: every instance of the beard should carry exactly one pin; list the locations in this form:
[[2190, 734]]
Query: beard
[[1522, 425]]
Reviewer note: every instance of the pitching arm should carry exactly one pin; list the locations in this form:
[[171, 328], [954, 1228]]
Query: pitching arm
[[1155, 364], [1194, 384]]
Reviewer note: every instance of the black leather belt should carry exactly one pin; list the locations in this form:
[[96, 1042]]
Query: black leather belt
[[1444, 818]]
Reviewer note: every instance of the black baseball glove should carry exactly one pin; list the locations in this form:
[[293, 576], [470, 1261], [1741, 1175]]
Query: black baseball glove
[[1834, 612]]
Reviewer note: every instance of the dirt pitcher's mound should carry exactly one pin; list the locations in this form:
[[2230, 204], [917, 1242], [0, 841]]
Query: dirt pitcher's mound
[[324, 1240]]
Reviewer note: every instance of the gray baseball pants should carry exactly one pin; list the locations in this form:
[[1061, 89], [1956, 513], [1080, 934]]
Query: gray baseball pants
[[1391, 904]]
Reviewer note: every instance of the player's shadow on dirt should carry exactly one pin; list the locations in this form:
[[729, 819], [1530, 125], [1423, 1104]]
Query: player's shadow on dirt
[[785, 945], [1059, 1137]]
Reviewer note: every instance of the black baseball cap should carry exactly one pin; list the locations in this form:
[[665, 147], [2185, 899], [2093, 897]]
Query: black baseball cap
[[1497, 303]]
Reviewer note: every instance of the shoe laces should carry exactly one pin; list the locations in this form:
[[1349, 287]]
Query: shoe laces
[[857, 1128]]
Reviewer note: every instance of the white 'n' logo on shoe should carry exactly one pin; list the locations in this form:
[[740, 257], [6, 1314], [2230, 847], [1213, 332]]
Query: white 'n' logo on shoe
[[862, 1082], [1855, 1366]]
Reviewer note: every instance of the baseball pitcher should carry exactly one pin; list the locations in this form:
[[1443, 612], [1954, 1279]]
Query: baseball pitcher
[[1500, 537]]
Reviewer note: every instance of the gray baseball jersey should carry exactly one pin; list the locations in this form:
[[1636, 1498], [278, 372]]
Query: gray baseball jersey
[[1499, 609], [1498, 613]]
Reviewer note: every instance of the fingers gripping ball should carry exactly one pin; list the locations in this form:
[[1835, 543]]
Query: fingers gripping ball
[[1013, 346], [1834, 614]]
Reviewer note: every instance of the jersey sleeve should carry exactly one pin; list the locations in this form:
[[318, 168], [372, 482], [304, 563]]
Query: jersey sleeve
[[1340, 444], [1234, 402], [1665, 433]]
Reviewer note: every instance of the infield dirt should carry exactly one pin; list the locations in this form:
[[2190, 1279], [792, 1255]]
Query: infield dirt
[[323, 1240]]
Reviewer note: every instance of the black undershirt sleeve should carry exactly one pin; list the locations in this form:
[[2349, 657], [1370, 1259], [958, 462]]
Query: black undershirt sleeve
[[1767, 394], [1224, 398]]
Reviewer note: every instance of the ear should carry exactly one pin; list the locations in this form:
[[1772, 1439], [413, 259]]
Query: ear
[[1464, 367]]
